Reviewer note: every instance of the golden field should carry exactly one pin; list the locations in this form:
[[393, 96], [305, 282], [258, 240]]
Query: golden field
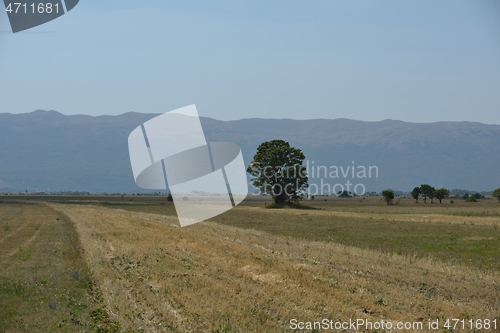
[[254, 269]]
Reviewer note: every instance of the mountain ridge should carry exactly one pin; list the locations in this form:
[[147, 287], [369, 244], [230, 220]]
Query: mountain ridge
[[47, 150]]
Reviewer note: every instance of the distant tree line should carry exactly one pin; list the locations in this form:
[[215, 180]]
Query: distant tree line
[[427, 191]]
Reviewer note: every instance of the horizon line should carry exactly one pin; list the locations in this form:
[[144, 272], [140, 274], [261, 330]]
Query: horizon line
[[252, 118]]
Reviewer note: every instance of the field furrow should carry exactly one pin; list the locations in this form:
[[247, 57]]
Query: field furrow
[[212, 277]]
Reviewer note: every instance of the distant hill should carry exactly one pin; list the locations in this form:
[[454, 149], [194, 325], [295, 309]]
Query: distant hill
[[48, 151]]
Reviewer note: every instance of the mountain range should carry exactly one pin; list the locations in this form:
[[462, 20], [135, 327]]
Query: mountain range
[[48, 151]]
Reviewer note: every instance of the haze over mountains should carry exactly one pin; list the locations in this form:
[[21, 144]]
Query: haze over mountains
[[49, 151]]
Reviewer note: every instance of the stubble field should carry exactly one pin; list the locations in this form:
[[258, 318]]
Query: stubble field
[[254, 269]]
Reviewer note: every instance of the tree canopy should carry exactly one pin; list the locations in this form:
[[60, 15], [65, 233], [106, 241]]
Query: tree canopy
[[427, 191], [416, 193], [441, 193], [388, 196], [496, 194], [277, 170]]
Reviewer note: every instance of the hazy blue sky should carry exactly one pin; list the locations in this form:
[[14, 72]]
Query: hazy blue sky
[[419, 61]]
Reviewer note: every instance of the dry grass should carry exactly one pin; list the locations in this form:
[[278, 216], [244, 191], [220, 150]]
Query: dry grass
[[433, 217], [464, 240], [211, 277]]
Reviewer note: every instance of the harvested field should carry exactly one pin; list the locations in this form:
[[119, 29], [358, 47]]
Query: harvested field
[[214, 277]]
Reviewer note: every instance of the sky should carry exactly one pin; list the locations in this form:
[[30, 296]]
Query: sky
[[416, 61]]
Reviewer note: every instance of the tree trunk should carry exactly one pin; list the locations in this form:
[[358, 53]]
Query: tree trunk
[[278, 199]]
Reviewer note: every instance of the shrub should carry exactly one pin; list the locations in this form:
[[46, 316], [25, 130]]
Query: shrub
[[471, 199], [388, 196]]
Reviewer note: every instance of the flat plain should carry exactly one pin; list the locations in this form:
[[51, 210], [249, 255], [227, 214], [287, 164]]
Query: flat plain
[[253, 269]]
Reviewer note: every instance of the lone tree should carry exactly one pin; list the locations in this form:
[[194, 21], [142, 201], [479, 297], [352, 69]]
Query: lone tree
[[427, 191], [441, 193], [415, 193], [277, 170], [496, 193], [388, 196]]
